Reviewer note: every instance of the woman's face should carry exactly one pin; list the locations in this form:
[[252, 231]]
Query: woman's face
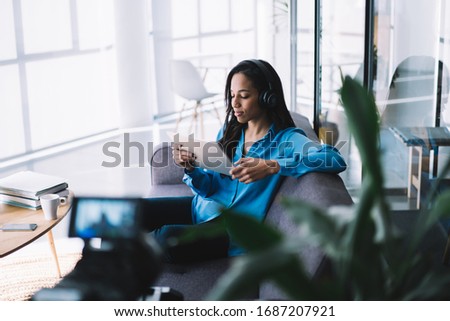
[[244, 99]]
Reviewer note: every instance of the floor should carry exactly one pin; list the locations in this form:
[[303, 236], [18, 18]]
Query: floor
[[91, 170]]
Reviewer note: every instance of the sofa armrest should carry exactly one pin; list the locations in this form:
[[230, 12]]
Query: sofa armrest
[[303, 123], [162, 167]]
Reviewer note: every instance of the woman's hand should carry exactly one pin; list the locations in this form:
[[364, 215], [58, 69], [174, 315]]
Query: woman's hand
[[249, 170], [183, 157]]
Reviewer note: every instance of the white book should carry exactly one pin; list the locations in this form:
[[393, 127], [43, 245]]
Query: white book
[[27, 202], [31, 184]]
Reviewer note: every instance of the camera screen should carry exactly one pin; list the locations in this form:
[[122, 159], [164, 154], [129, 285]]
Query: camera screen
[[109, 218]]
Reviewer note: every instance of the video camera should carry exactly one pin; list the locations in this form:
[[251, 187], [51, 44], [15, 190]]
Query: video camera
[[123, 267]]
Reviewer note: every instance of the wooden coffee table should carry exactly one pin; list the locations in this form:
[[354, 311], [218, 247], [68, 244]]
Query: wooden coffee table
[[13, 241]]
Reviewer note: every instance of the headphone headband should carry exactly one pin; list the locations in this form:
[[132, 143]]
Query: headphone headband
[[267, 98], [261, 66]]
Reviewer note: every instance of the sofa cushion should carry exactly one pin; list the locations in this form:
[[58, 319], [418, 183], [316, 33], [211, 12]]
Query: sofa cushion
[[303, 123], [195, 280], [170, 190], [163, 168], [320, 189]]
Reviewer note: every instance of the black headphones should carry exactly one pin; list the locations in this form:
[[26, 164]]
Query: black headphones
[[267, 98]]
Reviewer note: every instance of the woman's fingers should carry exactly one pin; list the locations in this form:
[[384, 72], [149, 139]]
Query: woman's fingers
[[242, 170], [183, 157], [248, 170], [246, 161]]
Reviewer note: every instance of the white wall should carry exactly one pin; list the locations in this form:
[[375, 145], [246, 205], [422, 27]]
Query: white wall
[[162, 25], [133, 64]]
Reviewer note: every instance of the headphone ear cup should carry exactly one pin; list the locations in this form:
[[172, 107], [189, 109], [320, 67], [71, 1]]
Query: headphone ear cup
[[268, 99]]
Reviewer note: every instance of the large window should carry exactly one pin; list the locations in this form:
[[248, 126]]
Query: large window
[[411, 39], [444, 76], [411, 63], [329, 44], [342, 52], [57, 72], [214, 35]]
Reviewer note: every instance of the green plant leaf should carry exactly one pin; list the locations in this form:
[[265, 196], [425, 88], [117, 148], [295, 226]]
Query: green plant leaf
[[194, 232], [439, 210], [362, 114], [277, 263], [370, 227], [244, 230], [433, 286], [363, 117], [250, 233], [320, 228], [351, 257]]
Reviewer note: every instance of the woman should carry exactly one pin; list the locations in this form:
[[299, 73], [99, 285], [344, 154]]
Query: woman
[[260, 137]]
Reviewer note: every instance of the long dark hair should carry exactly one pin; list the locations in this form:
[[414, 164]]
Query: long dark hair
[[279, 115]]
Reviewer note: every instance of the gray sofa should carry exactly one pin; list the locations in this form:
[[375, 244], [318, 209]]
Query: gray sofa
[[195, 280]]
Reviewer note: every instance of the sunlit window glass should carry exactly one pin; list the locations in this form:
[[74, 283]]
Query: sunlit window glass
[[214, 15], [95, 23], [305, 58], [46, 25], [240, 19], [7, 35], [342, 53], [11, 122], [184, 18], [70, 98], [183, 48]]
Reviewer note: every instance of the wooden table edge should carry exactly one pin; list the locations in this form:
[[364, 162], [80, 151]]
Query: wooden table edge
[[61, 214]]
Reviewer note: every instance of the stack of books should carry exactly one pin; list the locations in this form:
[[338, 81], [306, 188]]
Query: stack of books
[[24, 188]]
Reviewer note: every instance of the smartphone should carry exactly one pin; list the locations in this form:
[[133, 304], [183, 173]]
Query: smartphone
[[19, 227]]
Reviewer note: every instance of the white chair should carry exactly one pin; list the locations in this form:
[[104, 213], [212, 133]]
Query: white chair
[[188, 84]]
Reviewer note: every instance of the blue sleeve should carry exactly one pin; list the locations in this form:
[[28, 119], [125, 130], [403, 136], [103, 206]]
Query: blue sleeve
[[199, 181], [298, 155]]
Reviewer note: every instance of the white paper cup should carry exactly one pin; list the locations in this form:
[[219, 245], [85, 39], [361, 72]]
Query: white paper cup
[[49, 204]]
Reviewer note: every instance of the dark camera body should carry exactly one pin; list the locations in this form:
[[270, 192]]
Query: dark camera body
[[122, 268], [121, 272]]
